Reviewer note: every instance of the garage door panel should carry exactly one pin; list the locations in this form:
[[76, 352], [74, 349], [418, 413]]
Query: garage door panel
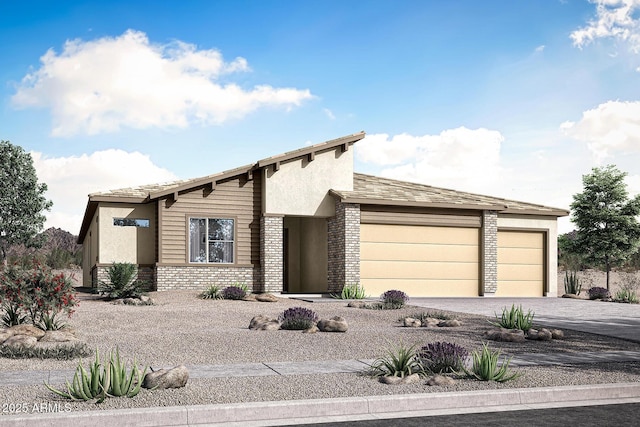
[[523, 273], [417, 234], [418, 252], [520, 264], [418, 270], [517, 239], [520, 256], [435, 288]]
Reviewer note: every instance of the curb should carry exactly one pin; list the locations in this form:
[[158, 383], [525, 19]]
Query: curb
[[339, 409]]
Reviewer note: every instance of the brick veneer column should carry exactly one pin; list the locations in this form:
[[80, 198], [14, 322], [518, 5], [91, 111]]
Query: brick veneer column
[[271, 256], [344, 246], [489, 252]]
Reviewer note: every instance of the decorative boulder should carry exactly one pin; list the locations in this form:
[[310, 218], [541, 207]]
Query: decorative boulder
[[451, 323], [409, 379], [29, 330], [21, 341], [266, 298], [430, 322], [541, 335], [264, 323], [312, 330], [58, 336], [5, 334], [357, 304], [574, 296], [505, 335], [249, 297], [335, 324], [557, 334], [440, 380], [167, 378], [410, 322]]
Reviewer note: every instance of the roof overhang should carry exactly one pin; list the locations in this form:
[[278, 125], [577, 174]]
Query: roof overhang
[[408, 203]]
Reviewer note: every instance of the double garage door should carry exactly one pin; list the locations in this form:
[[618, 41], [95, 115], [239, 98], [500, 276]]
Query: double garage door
[[434, 261]]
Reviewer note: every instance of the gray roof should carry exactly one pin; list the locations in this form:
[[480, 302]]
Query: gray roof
[[368, 189]]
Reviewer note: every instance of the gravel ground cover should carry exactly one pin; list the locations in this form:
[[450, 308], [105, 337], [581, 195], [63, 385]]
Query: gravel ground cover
[[183, 329]]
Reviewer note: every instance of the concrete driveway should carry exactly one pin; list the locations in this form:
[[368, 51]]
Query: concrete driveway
[[604, 318]]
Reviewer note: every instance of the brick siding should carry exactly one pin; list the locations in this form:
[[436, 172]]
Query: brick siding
[[271, 253], [489, 252], [344, 246]]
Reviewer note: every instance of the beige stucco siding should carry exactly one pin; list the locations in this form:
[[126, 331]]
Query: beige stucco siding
[[419, 260], [89, 252], [126, 244], [300, 187], [237, 198], [528, 230]]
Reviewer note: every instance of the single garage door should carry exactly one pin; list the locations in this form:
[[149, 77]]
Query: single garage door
[[520, 264], [419, 260]]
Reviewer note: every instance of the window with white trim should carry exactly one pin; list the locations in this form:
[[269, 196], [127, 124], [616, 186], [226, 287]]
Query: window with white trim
[[211, 240]]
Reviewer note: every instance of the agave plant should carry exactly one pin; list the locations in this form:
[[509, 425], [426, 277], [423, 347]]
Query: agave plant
[[572, 283], [351, 291], [485, 366], [102, 381], [212, 292], [515, 319], [400, 361]]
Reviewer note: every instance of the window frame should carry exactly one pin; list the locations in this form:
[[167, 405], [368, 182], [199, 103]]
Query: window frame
[[137, 222], [206, 218]]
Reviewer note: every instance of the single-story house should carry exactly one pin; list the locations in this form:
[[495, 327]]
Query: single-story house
[[304, 222]]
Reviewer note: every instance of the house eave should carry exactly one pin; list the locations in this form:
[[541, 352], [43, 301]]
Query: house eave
[[412, 203]]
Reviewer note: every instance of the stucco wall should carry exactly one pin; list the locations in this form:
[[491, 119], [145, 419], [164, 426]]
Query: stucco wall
[[550, 226], [300, 187], [89, 252], [126, 244]]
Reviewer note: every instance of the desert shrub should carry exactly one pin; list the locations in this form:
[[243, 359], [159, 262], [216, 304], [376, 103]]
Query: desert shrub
[[485, 366], [599, 293], [297, 318], [394, 299], [35, 294], [351, 291], [514, 319], [628, 292], [59, 352], [233, 292], [626, 296], [122, 282], [439, 357], [399, 361], [572, 283], [424, 315], [212, 292], [112, 379]]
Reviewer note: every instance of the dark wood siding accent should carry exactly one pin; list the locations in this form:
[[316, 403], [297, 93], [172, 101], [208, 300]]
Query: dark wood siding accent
[[236, 198], [370, 214]]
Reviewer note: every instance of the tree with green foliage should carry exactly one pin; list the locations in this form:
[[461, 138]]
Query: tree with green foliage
[[608, 232], [22, 199]]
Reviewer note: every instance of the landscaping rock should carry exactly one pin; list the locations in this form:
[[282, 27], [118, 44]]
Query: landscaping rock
[[410, 322], [264, 323], [357, 304], [430, 322], [167, 378], [440, 380], [249, 297], [311, 330], [141, 300], [557, 334], [4, 334], [410, 379], [266, 298], [335, 324], [574, 296], [541, 335], [451, 323], [20, 341], [505, 335], [58, 336], [146, 300], [28, 330]]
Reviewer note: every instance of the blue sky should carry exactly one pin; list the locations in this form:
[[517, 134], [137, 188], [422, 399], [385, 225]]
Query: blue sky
[[512, 99]]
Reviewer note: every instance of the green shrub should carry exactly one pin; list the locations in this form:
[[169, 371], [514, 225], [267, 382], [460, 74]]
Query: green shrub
[[572, 283], [514, 319], [59, 352], [485, 366], [122, 283], [424, 315], [298, 318], [212, 292], [109, 380], [399, 361], [628, 296], [353, 291]]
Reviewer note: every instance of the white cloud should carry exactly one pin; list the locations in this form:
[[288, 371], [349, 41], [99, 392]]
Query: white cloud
[[71, 179], [329, 114], [102, 85], [465, 159], [609, 128], [539, 49], [614, 19]]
